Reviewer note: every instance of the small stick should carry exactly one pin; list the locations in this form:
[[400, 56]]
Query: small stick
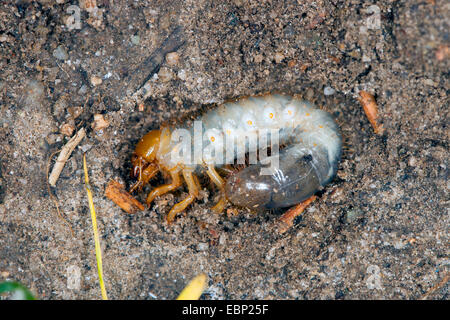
[[371, 109], [287, 219], [117, 193], [65, 153], [54, 198]]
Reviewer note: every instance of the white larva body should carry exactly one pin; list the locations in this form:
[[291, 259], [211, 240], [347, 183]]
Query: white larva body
[[311, 136], [298, 122], [307, 162]]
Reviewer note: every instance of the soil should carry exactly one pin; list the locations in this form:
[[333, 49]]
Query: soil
[[380, 230]]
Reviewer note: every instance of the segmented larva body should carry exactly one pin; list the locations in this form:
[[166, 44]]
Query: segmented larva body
[[307, 162]]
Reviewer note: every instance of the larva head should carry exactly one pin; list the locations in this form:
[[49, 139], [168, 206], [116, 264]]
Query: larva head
[[148, 146], [145, 152]]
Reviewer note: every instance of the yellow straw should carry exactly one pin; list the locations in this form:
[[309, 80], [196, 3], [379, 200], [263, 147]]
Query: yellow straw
[[194, 289], [98, 252]]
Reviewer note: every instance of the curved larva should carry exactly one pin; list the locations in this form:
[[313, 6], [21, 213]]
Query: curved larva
[[307, 163]]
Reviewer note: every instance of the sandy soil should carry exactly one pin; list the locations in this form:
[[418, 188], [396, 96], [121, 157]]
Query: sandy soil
[[379, 231]]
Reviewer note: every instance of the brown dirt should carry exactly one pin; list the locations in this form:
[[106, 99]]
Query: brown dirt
[[379, 231]]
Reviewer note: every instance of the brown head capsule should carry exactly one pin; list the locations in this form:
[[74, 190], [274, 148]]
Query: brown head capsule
[[144, 159]]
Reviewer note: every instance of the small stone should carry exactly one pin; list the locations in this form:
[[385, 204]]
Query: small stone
[[75, 112], [182, 75], [292, 63], [412, 161], [309, 94], [165, 75], [258, 58], [135, 39], [96, 80], [202, 246], [83, 89], [443, 52], [73, 277], [328, 91], [60, 53], [279, 57], [353, 215], [67, 129], [222, 239], [99, 122], [172, 58], [4, 38]]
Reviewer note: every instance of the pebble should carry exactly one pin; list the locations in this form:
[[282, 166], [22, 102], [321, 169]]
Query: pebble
[[182, 75], [279, 57], [202, 246], [353, 215], [83, 89], [60, 53], [99, 122], [309, 94], [258, 58], [96, 80], [165, 75], [67, 129], [135, 39], [172, 58], [328, 91], [222, 239], [429, 82], [412, 161]]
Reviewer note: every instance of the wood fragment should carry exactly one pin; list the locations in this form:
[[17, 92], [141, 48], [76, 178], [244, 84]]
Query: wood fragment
[[65, 153], [371, 109], [286, 221], [443, 52], [60, 215], [117, 193], [99, 122]]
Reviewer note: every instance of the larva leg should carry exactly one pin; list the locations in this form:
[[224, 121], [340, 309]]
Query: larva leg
[[144, 176], [192, 183], [218, 181], [287, 219], [176, 182]]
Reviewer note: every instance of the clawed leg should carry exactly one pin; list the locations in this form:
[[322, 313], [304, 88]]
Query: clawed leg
[[218, 181], [287, 219], [144, 176], [176, 182], [192, 183]]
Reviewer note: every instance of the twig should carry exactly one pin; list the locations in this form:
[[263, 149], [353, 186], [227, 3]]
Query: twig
[[286, 221], [65, 153], [54, 198], [371, 109], [117, 193]]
